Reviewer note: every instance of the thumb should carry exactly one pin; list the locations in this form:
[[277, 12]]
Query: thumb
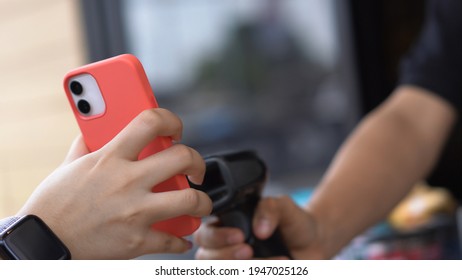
[[77, 150], [297, 227]]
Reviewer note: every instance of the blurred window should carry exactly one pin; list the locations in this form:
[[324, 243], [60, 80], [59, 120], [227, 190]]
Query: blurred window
[[271, 75]]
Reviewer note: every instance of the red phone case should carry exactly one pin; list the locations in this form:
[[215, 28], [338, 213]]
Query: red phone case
[[126, 93]]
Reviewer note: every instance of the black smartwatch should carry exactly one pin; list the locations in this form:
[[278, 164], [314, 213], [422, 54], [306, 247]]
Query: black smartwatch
[[29, 238]]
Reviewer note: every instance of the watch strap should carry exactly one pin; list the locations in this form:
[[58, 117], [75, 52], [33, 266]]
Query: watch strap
[[6, 223]]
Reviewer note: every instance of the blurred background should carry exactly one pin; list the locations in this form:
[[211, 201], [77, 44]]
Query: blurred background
[[287, 78], [274, 76], [40, 41]]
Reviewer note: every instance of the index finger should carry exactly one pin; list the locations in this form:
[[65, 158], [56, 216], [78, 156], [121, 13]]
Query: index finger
[[144, 128], [211, 236]]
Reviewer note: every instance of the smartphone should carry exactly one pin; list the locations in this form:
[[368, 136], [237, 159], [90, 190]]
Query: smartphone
[[105, 96]]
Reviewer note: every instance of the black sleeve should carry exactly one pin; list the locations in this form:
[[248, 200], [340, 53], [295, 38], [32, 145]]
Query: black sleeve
[[435, 61]]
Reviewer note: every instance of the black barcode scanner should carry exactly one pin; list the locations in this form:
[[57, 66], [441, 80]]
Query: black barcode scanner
[[234, 182]]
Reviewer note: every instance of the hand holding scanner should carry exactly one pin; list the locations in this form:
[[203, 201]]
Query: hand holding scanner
[[234, 182]]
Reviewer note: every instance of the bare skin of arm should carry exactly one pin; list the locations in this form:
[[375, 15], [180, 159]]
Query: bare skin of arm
[[392, 148]]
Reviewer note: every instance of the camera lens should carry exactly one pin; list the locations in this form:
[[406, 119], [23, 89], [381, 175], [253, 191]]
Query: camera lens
[[76, 88], [84, 106]]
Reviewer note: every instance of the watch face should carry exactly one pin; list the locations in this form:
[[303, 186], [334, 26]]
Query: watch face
[[31, 239]]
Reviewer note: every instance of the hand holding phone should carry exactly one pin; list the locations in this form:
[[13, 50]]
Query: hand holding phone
[[105, 96]]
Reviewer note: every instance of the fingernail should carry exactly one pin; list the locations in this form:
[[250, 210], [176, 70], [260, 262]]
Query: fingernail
[[243, 253], [264, 227], [234, 239]]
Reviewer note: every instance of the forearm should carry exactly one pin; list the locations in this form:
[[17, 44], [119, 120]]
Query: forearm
[[375, 168]]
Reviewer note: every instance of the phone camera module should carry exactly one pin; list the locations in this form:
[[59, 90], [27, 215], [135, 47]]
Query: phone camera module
[[76, 88], [84, 106]]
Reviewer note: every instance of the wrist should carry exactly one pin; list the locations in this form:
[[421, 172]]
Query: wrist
[[324, 244], [317, 249], [28, 237]]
